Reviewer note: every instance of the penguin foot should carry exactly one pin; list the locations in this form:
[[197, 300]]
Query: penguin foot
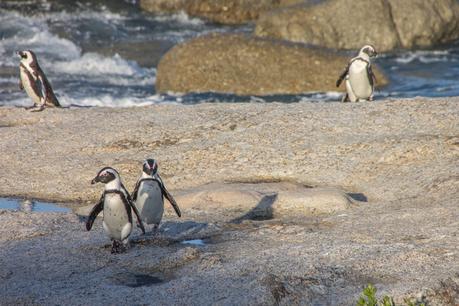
[[117, 247], [126, 244], [154, 230], [38, 109]]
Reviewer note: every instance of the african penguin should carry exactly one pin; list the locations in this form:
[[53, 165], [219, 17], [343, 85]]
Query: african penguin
[[117, 206], [35, 83], [149, 193], [359, 77]]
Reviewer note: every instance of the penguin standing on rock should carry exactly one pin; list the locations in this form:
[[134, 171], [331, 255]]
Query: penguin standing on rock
[[359, 77], [117, 206], [34, 82], [149, 193]]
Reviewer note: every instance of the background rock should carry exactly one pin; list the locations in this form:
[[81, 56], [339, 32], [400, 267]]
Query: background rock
[[349, 24], [425, 23], [220, 11], [242, 65]]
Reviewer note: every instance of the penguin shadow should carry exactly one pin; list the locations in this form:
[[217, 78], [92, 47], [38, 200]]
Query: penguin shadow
[[135, 280], [263, 211]]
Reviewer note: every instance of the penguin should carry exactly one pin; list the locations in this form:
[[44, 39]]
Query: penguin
[[149, 193], [359, 77], [117, 206], [34, 82]]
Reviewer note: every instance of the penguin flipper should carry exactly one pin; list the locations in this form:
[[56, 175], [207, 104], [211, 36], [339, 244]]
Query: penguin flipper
[[170, 198], [46, 89], [136, 190], [21, 87], [371, 76], [94, 212], [126, 196], [139, 220], [343, 75]]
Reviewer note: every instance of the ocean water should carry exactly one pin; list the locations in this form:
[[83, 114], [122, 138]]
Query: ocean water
[[105, 53]]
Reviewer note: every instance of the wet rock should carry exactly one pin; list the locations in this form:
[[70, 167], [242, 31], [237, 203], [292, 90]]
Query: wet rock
[[220, 11], [349, 24], [248, 66]]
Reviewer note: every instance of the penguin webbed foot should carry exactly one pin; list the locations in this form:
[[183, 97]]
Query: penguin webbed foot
[[118, 247], [345, 98], [38, 109], [142, 228]]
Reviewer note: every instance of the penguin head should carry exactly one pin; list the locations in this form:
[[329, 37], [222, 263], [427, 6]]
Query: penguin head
[[369, 50], [150, 166], [27, 56], [106, 175]]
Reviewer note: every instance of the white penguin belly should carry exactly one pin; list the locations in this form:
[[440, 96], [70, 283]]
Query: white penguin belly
[[358, 79], [28, 87], [150, 202], [116, 220]]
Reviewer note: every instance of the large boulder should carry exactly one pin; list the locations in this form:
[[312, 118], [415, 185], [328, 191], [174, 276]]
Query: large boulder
[[234, 63], [221, 11], [350, 24], [241, 201], [424, 23]]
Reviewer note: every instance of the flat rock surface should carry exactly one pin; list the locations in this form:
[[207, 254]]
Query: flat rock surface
[[397, 161]]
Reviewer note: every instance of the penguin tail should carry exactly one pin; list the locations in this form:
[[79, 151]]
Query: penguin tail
[[54, 102]]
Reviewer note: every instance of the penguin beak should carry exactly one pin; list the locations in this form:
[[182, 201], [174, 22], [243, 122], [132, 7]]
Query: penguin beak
[[21, 54], [95, 180]]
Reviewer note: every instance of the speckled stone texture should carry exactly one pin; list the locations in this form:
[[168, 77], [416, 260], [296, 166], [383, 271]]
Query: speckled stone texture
[[397, 160], [245, 65]]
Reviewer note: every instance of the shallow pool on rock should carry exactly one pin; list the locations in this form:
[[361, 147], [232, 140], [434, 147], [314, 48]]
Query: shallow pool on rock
[[197, 242], [30, 206]]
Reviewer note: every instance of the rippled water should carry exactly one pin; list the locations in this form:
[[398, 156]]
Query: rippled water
[[104, 53]]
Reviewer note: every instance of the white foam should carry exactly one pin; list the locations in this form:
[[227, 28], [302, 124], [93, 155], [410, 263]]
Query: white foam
[[323, 96], [31, 33], [105, 100], [181, 17], [425, 57], [21, 102], [111, 101], [96, 64]]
